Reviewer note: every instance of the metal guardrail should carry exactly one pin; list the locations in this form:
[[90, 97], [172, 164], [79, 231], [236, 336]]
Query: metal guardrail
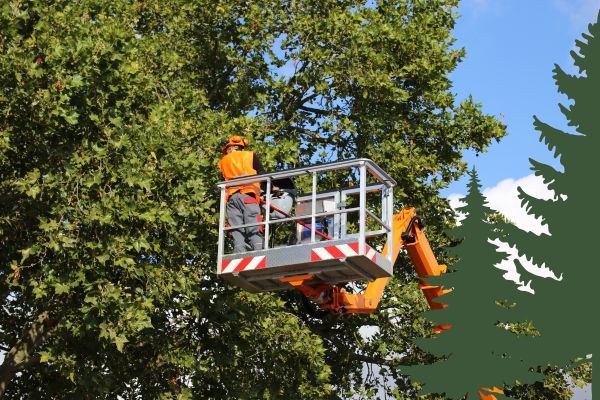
[[373, 168], [364, 165]]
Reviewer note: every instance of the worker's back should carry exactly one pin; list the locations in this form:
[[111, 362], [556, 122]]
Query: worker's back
[[238, 164]]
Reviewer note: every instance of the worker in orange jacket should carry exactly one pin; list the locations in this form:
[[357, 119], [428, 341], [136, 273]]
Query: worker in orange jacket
[[242, 201]]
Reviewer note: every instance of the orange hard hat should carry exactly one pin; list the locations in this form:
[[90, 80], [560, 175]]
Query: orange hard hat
[[236, 141]]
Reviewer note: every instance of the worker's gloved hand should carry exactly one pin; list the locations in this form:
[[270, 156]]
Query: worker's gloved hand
[[275, 192]]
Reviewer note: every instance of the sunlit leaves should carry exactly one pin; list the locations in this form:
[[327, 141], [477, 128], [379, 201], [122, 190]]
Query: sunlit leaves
[[111, 115]]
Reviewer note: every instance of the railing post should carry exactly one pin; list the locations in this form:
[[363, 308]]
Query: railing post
[[384, 204], [343, 217], [337, 217], [363, 207], [365, 167], [390, 218], [268, 214], [221, 242], [313, 219]]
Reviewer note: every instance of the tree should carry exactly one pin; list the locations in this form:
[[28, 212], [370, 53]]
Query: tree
[[475, 352], [110, 117], [370, 84], [108, 225], [558, 384], [569, 249]]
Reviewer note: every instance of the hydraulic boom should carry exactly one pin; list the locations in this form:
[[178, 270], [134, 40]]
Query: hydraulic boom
[[408, 234]]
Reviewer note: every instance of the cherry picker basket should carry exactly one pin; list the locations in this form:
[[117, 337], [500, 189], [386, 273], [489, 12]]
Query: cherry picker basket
[[331, 255]]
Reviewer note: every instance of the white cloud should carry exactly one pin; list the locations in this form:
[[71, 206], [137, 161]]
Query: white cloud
[[455, 200], [368, 331], [508, 264], [503, 198], [480, 3], [579, 12]]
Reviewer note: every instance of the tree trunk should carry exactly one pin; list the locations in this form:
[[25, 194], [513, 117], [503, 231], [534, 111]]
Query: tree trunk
[[23, 350]]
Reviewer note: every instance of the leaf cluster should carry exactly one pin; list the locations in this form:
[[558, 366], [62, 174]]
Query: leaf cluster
[[111, 113]]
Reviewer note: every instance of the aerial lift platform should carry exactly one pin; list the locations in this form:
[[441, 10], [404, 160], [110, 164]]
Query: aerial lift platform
[[324, 256], [336, 240]]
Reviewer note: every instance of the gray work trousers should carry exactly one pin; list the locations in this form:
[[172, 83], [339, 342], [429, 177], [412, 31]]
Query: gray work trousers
[[244, 209]]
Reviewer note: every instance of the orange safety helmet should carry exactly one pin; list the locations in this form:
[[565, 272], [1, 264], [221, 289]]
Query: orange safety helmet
[[235, 141]]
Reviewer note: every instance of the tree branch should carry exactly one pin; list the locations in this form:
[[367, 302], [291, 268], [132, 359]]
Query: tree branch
[[377, 360], [288, 107], [309, 98], [221, 80], [312, 134], [313, 110], [24, 351], [292, 81]]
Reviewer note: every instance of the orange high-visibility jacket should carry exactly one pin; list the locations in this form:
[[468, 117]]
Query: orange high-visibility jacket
[[236, 165]]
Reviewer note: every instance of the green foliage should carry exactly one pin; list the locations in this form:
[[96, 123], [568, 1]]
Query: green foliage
[[110, 117], [476, 351], [559, 309], [560, 338], [558, 384]]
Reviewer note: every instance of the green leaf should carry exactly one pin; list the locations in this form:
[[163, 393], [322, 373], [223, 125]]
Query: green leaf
[[103, 258], [76, 81], [61, 288], [116, 121], [45, 356], [72, 118], [115, 135], [33, 191], [120, 342], [25, 253]]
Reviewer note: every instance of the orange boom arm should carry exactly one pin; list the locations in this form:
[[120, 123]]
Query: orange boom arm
[[408, 234]]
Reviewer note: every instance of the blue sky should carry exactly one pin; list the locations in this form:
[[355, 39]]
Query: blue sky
[[512, 46]]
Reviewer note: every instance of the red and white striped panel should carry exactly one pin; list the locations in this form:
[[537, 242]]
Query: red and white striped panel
[[243, 264], [341, 251]]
